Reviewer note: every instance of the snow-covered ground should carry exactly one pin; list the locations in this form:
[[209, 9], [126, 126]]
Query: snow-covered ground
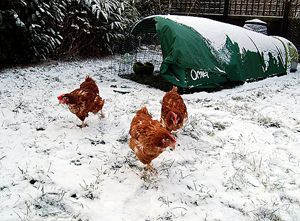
[[237, 157]]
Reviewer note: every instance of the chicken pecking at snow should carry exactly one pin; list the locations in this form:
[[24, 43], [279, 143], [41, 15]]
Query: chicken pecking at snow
[[148, 137], [173, 110]]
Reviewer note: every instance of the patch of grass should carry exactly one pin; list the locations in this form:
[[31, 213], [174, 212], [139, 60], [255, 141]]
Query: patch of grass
[[131, 160], [239, 98], [95, 142], [90, 189], [267, 214], [191, 129], [19, 106], [123, 139], [241, 210], [268, 122], [219, 126], [56, 79], [260, 94], [272, 185], [49, 202], [166, 166], [146, 177]]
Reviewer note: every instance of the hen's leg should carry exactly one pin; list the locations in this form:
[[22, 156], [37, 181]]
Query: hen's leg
[[82, 124], [102, 115], [148, 167]]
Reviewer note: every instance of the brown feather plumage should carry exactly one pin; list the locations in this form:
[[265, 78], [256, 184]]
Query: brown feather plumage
[[173, 103], [84, 100], [148, 137]]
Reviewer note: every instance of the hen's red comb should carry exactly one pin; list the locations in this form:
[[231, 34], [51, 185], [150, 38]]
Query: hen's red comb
[[60, 97]]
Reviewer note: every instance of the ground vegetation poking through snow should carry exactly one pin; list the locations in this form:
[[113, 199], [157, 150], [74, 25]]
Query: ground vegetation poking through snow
[[237, 157]]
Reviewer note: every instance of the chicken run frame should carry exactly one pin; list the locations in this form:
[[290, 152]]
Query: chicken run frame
[[194, 52]]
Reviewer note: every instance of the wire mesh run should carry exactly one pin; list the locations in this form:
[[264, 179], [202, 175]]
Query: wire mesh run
[[142, 48]]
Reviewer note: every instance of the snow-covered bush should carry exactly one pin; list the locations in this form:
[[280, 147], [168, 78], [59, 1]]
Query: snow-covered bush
[[31, 30], [149, 7], [27, 32], [94, 27]]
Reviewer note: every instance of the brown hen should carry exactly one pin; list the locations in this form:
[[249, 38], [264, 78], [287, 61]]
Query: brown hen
[[84, 100], [148, 137], [173, 110]]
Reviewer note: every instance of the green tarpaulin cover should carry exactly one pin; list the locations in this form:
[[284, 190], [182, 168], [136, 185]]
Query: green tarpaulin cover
[[202, 53]]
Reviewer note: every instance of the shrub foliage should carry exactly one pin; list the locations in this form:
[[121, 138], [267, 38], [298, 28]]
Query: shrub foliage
[[150, 7], [26, 29], [31, 30], [94, 27]]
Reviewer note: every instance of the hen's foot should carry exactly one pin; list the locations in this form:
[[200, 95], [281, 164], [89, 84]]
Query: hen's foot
[[152, 170]]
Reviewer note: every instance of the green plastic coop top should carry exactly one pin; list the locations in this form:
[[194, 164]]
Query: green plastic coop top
[[203, 53]]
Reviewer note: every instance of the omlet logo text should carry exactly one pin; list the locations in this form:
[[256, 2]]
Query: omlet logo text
[[195, 75]]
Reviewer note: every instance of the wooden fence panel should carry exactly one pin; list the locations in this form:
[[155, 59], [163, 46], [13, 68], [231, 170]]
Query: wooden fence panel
[[273, 8], [293, 32]]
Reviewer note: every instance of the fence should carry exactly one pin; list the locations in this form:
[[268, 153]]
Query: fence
[[232, 7]]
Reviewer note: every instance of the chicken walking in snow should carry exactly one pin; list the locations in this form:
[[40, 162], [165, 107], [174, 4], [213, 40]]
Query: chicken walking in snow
[[173, 110], [84, 100], [148, 137]]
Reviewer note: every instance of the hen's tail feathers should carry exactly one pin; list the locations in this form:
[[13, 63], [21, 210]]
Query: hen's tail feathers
[[143, 110], [132, 143], [97, 104]]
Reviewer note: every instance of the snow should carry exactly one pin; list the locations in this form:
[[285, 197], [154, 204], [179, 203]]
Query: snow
[[256, 21], [221, 31], [236, 158]]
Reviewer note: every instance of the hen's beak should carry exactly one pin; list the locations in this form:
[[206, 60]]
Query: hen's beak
[[173, 146], [170, 143], [173, 143]]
